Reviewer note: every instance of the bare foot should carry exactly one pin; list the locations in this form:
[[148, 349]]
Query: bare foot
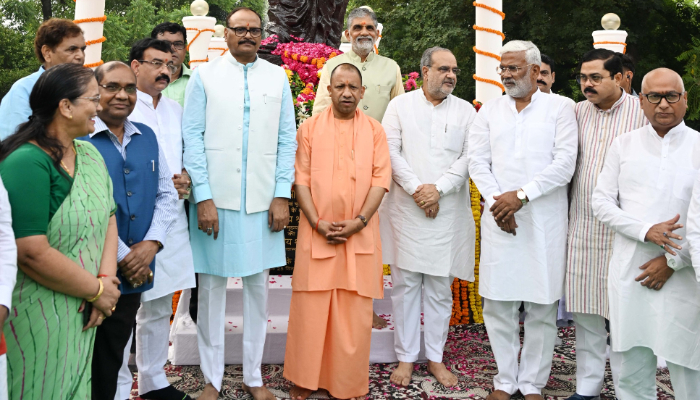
[[534, 396], [440, 372], [299, 393], [498, 395], [377, 321], [402, 374], [259, 393], [209, 393]]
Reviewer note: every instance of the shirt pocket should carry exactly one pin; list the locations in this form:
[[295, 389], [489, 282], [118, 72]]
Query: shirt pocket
[[540, 137], [683, 183], [270, 99], [454, 138]]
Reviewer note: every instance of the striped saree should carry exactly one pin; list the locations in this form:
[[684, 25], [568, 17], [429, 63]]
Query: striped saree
[[48, 354]]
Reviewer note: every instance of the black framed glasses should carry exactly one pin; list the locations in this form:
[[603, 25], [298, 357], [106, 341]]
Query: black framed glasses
[[594, 78], [655, 98], [112, 88], [177, 45], [240, 32], [513, 69], [159, 64], [444, 70]]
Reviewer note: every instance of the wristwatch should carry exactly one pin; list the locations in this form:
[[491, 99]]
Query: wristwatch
[[439, 190], [363, 219], [670, 261], [522, 196]]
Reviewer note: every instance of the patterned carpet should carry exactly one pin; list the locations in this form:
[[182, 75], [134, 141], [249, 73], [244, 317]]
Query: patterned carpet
[[467, 354]]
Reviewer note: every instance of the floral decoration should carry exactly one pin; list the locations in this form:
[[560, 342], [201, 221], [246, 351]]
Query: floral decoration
[[411, 81]]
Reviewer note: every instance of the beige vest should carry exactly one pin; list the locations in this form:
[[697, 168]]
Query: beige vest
[[378, 78]]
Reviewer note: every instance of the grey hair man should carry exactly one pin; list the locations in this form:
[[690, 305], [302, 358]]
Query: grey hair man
[[427, 135], [381, 76], [522, 154]]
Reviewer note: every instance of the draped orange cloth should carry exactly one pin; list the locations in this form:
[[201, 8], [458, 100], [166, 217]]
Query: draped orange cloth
[[330, 320]]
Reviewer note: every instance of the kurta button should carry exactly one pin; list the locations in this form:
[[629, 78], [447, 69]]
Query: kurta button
[[365, 107], [131, 241], [364, 68], [238, 170], [128, 194], [238, 148], [133, 217], [239, 127], [126, 170]]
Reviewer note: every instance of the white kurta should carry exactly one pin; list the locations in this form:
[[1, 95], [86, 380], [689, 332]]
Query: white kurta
[[693, 227], [534, 150], [174, 262], [646, 180], [428, 144]]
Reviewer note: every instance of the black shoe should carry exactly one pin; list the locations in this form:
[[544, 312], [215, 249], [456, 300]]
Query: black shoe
[[577, 396], [167, 393]]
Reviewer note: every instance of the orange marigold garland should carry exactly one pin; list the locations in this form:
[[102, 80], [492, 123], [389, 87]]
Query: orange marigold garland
[[176, 299]]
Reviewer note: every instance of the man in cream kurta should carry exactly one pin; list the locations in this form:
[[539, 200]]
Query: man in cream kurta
[[381, 76], [238, 127], [343, 170], [643, 194], [427, 225], [174, 264], [522, 153]]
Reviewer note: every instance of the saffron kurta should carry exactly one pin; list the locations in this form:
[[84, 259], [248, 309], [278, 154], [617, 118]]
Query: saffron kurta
[[647, 180], [329, 334], [589, 241]]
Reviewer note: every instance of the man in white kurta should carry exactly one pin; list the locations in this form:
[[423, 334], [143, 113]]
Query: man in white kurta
[[174, 264], [522, 153], [643, 194], [426, 221]]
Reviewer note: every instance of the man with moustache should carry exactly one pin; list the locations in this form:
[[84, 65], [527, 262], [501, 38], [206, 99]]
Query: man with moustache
[[176, 35], [338, 269], [146, 199], [239, 133], [57, 41], [426, 221], [381, 76], [643, 194], [174, 264], [522, 154], [607, 113]]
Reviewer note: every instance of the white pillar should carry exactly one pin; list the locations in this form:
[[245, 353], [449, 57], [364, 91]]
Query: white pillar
[[489, 40], [90, 16], [610, 38], [217, 48], [199, 32]]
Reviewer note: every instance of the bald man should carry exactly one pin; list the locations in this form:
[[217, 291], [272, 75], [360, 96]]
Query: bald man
[[342, 170], [643, 194]]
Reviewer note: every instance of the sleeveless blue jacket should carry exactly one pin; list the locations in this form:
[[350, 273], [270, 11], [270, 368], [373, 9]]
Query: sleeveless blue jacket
[[135, 186]]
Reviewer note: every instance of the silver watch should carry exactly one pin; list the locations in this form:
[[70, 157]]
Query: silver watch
[[522, 196]]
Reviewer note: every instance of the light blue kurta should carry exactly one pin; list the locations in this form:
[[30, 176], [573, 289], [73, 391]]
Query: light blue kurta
[[246, 245], [14, 109]]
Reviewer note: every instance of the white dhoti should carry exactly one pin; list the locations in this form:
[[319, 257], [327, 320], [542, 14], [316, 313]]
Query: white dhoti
[[210, 326], [638, 377], [502, 325], [406, 300]]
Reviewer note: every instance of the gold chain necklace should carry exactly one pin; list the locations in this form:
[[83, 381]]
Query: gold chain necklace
[[66, 167]]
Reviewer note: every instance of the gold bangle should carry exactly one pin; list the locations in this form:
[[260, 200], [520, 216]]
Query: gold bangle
[[99, 293]]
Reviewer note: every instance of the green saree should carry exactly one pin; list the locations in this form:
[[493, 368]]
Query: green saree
[[48, 354]]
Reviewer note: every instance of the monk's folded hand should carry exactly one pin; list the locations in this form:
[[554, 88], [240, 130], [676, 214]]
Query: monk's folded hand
[[426, 196], [208, 218], [662, 233], [506, 205], [656, 273], [347, 228], [278, 217]]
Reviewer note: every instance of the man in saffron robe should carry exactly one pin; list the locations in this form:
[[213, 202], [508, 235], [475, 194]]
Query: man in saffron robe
[[343, 170]]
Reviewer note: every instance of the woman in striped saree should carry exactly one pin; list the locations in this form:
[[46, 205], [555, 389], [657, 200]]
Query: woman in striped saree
[[62, 216]]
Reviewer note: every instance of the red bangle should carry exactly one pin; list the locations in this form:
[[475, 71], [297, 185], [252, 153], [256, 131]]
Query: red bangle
[[102, 276], [319, 220]]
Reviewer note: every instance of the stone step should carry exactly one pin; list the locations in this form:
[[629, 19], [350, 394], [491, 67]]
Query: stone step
[[184, 350]]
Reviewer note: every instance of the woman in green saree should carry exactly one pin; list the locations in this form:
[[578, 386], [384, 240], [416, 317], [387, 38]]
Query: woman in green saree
[[62, 216]]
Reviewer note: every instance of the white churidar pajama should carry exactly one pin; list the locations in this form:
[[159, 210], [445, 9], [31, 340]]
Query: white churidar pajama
[[152, 342], [210, 322], [533, 150], [648, 179], [406, 297]]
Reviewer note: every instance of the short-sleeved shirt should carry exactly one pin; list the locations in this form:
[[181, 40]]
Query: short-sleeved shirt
[[35, 187]]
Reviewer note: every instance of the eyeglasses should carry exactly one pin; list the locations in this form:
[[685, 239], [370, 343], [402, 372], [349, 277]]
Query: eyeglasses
[[179, 45], [240, 32], [129, 89], [595, 78], [655, 98], [444, 70], [513, 69], [94, 99], [159, 64]]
